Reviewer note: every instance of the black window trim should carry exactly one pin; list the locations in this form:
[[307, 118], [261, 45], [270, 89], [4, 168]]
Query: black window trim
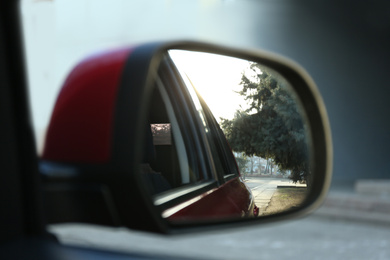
[[174, 197], [188, 119], [225, 152], [197, 151]]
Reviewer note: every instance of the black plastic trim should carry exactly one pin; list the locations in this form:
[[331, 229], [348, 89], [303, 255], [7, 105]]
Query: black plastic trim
[[180, 195]]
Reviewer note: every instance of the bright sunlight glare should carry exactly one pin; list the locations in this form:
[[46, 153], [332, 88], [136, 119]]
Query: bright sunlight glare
[[216, 77]]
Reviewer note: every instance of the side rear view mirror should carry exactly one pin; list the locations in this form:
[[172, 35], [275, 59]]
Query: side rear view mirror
[[167, 137]]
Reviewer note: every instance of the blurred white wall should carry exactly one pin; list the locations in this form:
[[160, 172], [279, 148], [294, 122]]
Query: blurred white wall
[[59, 33]]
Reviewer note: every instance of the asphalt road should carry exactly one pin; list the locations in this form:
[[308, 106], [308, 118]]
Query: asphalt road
[[313, 237]]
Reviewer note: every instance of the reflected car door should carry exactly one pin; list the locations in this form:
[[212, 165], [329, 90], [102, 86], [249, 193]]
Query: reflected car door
[[226, 195]]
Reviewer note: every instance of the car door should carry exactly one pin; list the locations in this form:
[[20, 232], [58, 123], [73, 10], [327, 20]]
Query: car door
[[226, 195]]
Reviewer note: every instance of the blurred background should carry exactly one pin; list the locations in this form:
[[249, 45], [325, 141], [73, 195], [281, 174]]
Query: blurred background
[[344, 45]]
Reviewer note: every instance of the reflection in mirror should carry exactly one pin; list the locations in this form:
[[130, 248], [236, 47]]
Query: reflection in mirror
[[251, 107]]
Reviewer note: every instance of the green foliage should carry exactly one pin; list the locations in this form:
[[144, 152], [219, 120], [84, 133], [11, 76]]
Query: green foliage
[[242, 161], [272, 126]]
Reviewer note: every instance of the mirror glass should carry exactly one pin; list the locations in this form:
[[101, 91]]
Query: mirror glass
[[229, 139]]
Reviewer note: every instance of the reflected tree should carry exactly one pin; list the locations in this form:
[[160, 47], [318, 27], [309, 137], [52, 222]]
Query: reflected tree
[[242, 161], [271, 126]]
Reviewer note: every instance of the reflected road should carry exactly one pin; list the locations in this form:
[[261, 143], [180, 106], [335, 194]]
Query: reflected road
[[263, 188]]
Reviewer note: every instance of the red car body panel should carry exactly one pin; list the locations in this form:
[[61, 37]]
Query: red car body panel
[[81, 125], [232, 199]]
